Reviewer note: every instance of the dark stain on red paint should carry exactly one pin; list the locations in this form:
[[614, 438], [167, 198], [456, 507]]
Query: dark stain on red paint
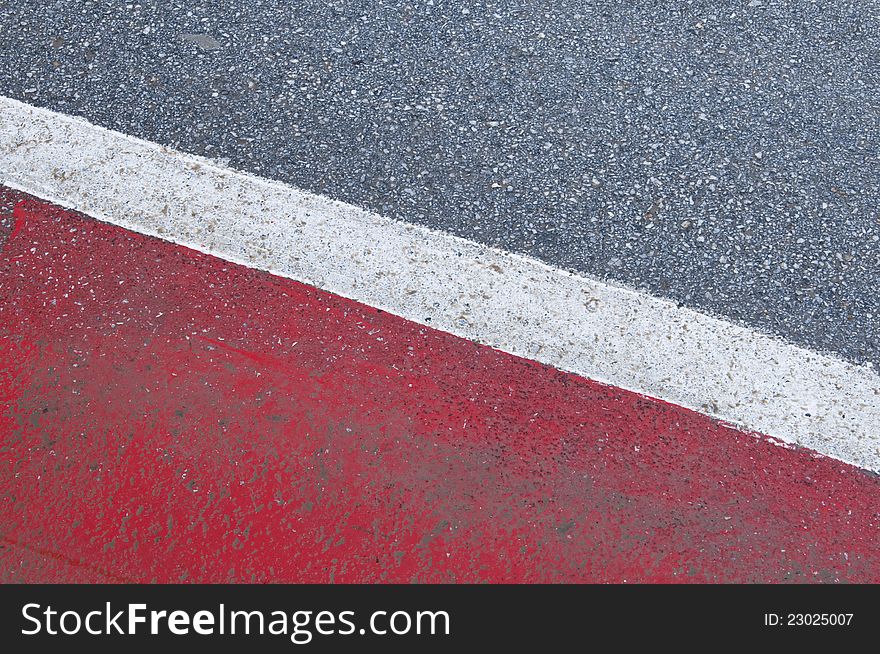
[[168, 416], [42, 554]]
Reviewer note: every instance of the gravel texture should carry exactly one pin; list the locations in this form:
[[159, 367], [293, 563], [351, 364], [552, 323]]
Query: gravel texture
[[721, 154]]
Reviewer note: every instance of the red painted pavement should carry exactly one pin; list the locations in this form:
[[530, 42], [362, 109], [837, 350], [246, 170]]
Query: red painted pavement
[[168, 416]]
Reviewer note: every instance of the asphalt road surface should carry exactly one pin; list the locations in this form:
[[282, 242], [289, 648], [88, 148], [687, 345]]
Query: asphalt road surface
[[722, 154]]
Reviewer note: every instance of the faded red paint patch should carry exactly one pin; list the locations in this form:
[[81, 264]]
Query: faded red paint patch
[[168, 416], [8, 200]]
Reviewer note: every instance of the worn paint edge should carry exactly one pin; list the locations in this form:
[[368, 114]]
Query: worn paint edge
[[605, 332]]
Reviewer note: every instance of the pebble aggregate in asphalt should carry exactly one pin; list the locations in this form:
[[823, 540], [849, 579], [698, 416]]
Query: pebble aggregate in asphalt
[[723, 154]]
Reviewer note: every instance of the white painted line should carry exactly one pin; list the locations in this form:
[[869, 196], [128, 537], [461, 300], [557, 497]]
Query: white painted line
[[510, 302]]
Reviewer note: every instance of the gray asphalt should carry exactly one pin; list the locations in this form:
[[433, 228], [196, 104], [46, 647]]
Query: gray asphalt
[[723, 154]]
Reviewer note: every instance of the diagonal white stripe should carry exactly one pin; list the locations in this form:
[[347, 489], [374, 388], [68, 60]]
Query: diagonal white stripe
[[510, 302]]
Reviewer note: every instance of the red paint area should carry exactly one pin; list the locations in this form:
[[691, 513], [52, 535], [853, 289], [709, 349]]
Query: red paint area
[[167, 416]]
